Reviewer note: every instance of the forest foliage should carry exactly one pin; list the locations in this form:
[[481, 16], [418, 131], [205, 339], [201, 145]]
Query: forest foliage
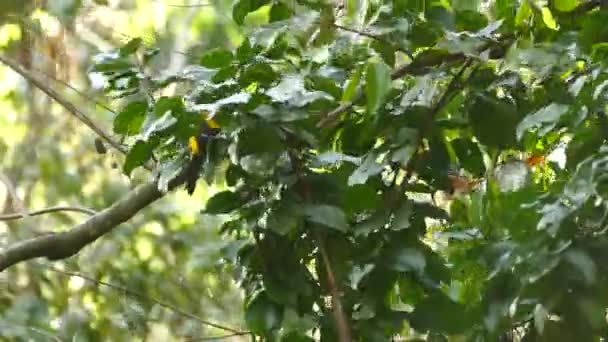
[[425, 169]]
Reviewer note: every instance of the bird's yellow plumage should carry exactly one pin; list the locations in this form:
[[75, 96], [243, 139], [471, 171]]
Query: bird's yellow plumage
[[194, 148]]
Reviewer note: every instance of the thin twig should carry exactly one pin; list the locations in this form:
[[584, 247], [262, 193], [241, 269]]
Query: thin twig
[[70, 107], [215, 338], [16, 216], [148, 298]]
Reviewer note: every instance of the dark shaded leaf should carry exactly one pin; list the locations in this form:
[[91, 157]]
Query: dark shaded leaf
[[223, 203], [326, 215]]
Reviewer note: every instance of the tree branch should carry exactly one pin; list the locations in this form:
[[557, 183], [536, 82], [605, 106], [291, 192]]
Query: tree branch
[[16, 216], [342, 324], [66, 244]]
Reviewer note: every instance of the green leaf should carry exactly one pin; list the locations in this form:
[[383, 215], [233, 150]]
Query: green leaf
[[589, 139], [326, 215], [174, 104], [262, 315], [544, 120], [291, 90], [583, 264], [469, 155], [168, 172], [371, 224], [470, 21], [466, 5], [160, 125], [138, 155], [493, 121], [279, 11], [523, 13], [225, 74], [422, 93], [113, 65], [261, 138], [352, 85], [130, 47], [437, 312], [130, 118], [244, 52], [223, 203], [261, 73], [244, 7], [282, 220], [401, 217], [565, 5], [332, 158], [217, 58], [377, 85], [405, 259], [548, 18], [368, 168]]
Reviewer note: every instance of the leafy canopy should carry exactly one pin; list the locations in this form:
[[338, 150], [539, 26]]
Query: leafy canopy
[[340, 128]]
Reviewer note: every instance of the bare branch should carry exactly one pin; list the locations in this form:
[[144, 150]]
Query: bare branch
[[40, 84], [65, 244], [16, 216], [139, 295]]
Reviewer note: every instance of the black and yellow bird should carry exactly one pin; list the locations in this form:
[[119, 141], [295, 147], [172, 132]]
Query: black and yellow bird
[[197, 146]]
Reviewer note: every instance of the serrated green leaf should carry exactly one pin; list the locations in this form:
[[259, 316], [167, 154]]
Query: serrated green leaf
[[377, 85]]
